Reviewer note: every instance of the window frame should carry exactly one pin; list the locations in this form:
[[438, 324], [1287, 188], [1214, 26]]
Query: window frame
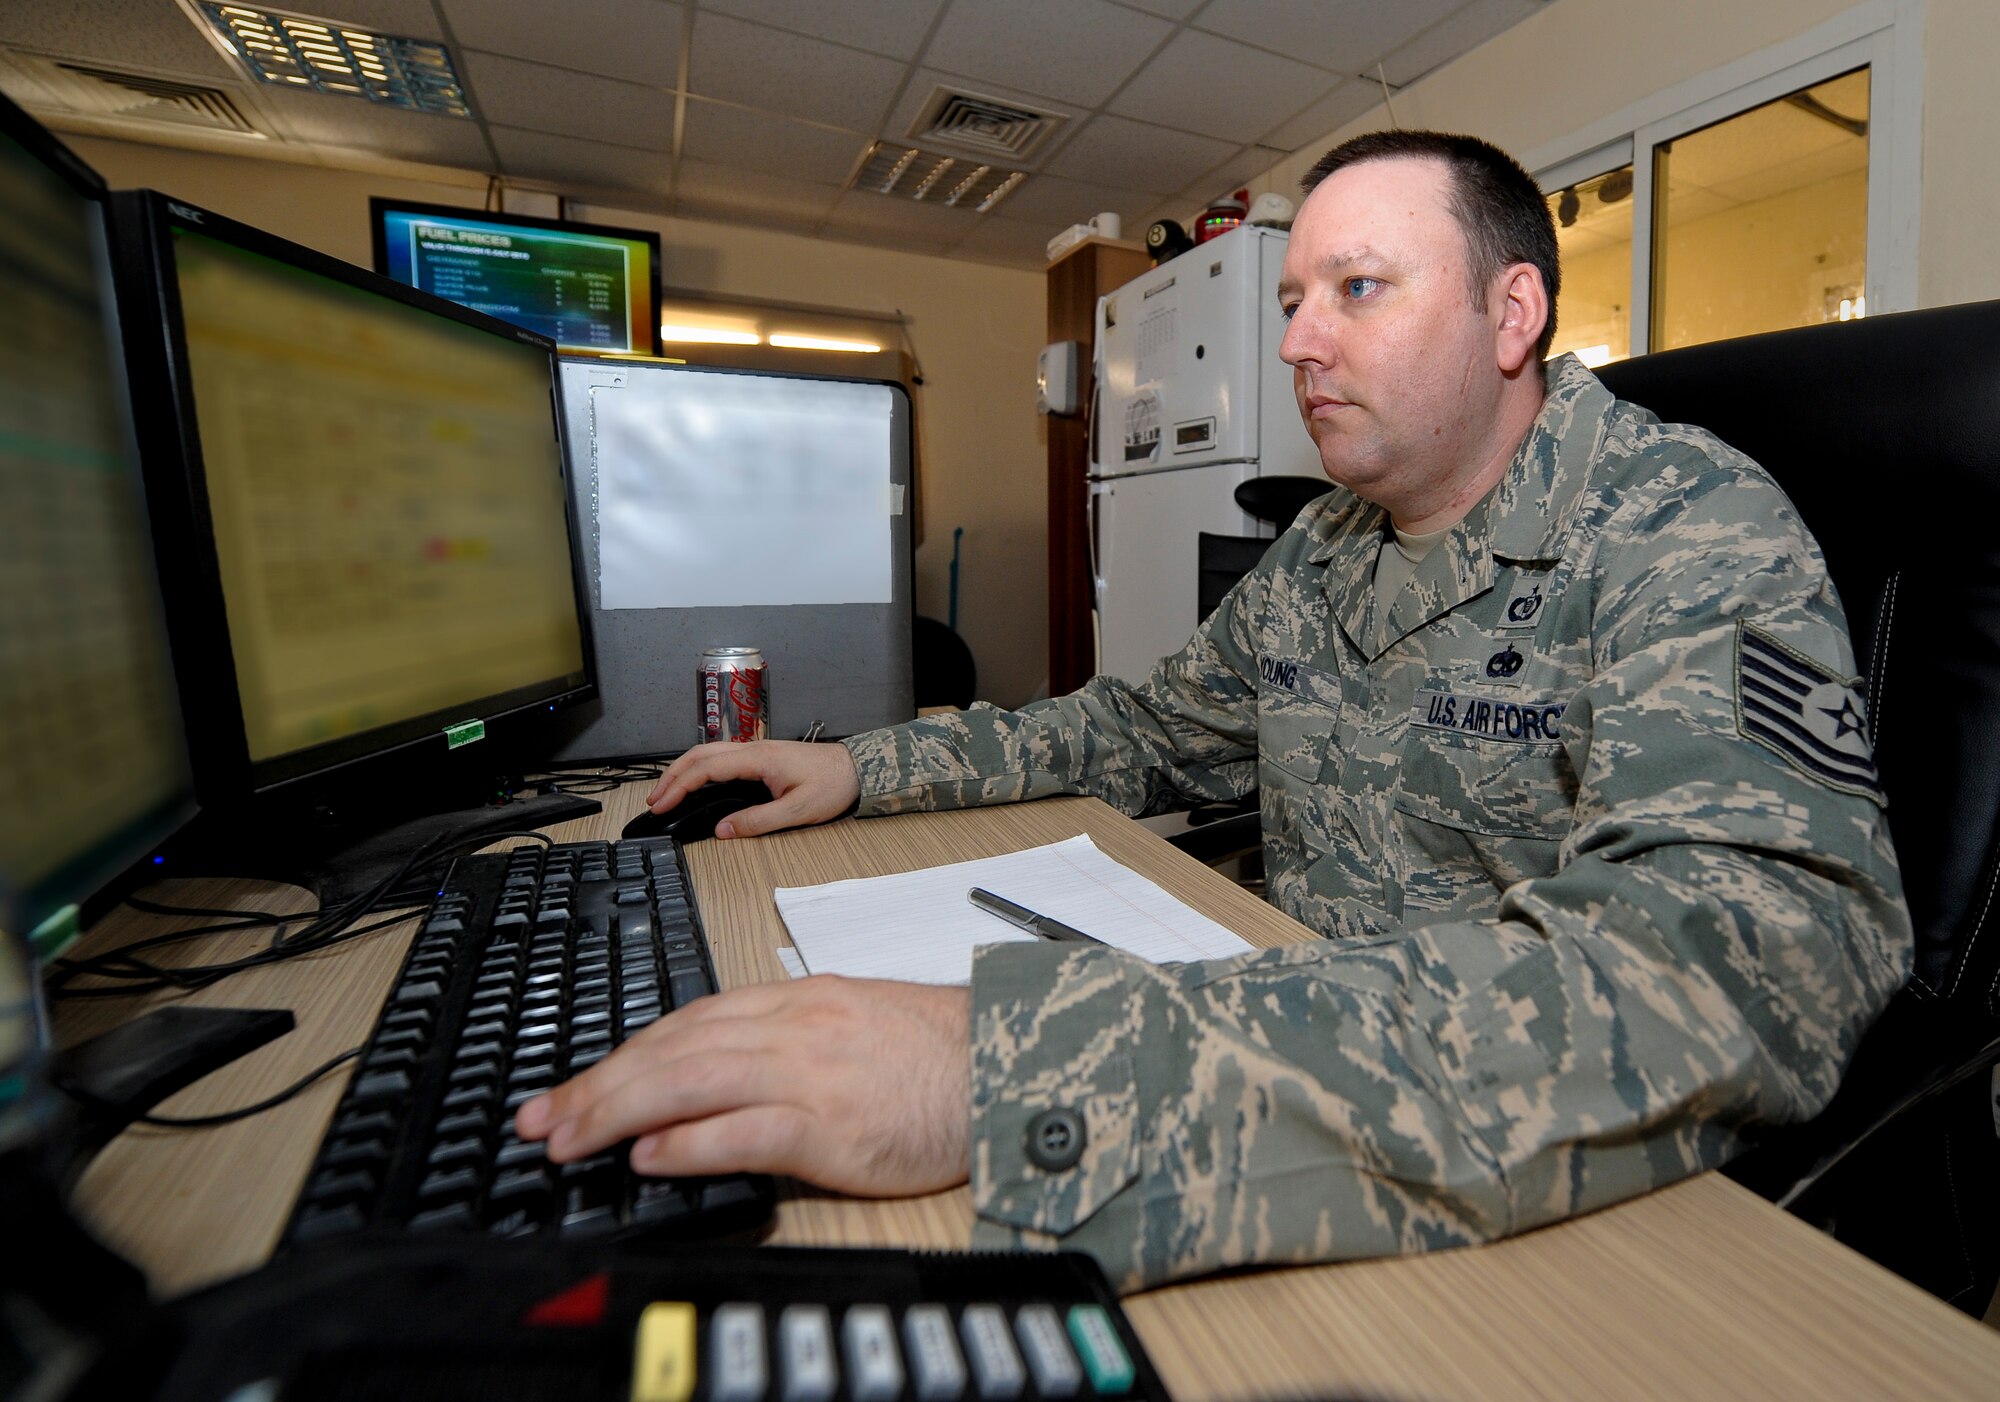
[[1885, 36]]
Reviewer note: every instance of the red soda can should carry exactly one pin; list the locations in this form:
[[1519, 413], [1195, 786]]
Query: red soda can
[[733, 690]]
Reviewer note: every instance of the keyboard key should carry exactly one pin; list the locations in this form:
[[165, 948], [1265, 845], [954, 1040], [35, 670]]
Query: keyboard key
[[663, 1361], [1046, 1347], [381, 1085], [997, 1371], [657, 1200], [937, 1369], [1097, 1343], [805, 1354], [874, 1371], [737, 1369]]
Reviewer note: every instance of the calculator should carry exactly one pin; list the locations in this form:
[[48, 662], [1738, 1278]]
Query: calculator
[[446, 1320]]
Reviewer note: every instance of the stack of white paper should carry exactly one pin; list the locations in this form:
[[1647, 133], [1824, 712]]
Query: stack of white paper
[[920, 928]]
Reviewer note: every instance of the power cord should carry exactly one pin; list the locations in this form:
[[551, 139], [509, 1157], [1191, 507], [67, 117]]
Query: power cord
[[244, 1113]]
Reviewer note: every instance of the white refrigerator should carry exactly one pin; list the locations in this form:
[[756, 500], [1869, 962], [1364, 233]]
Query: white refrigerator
[[1192, 401]]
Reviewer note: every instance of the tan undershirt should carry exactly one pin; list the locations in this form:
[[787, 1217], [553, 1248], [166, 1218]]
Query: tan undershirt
[[1401, 554]]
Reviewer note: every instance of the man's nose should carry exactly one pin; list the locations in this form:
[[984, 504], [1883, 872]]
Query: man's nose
[[1303, 342]]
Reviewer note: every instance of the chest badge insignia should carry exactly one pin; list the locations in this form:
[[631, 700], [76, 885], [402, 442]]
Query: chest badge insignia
[[1522, 608], [1504, 663]]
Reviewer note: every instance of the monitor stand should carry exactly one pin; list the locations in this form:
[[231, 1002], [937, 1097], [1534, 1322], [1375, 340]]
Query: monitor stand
[[341, 851], [347, 872]]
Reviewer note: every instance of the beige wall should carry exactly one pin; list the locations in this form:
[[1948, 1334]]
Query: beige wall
[[976, 328], [1582, 60]]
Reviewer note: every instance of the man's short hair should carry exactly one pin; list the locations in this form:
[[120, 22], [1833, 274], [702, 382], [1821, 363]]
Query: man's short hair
[[1499, 208]]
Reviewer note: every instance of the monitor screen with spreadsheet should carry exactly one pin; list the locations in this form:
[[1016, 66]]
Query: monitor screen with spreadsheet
[[371, 534], [586, 287], [93, 763]]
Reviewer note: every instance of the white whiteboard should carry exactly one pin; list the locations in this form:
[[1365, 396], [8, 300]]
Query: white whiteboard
[[721, 490]]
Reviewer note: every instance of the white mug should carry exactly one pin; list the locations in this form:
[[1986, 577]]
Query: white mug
[[1107, 225]]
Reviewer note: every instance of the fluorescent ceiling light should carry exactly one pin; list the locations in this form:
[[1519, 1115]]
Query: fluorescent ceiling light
[[708, 335], [827, 343], [335, 58]]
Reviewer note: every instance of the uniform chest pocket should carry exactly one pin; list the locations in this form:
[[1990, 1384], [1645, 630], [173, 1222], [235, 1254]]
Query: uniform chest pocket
[[1298, 715], [1491, 787]]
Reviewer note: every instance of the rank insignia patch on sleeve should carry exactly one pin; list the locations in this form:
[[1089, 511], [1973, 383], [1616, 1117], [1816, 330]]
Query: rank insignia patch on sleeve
[[1793, 706]]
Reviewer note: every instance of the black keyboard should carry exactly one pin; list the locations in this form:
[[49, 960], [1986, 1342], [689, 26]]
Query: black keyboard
[[529, 966]]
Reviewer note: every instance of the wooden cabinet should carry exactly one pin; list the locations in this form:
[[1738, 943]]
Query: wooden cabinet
[[1075, 282]]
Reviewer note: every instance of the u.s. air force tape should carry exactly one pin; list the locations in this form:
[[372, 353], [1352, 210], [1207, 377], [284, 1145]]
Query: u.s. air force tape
[[1488, 717], [1797, 709]]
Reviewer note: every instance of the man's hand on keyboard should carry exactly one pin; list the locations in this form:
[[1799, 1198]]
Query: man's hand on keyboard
[[856, 1085], [809, 783]]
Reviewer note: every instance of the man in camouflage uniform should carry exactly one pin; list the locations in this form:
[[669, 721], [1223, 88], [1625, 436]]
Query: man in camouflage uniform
[[1584, 810]]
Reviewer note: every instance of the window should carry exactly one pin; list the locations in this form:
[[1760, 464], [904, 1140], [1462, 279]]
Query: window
[[1778, 192]]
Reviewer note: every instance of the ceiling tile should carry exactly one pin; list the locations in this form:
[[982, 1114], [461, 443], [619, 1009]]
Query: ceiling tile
[[751, 193], [570, 164], [1232, 175], [636, 40], [155, 38], [1008, 242], [1459, 34], [1055, 203], [1331, 112], [925, 82], [1169, 9], [1220, 88], [735, 61], [1348, 37], [892, 27], [1075, 51], [410, 19], [537, 97], [761, 141], [349, 123], [1132, 156]]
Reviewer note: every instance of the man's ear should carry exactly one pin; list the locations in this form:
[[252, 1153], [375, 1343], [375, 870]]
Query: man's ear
[[1523, 306]]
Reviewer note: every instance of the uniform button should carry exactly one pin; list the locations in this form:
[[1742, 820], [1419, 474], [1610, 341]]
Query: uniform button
[[1055, 1139]]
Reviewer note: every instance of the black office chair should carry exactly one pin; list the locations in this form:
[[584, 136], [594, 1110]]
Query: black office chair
[[1886, 435]]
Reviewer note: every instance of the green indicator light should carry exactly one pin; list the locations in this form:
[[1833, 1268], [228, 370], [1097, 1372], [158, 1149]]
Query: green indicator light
[[54, 935], [1104, 1357], [464, 733]]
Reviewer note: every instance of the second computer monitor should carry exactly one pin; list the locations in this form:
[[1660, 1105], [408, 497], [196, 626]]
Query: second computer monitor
[[373, 549]]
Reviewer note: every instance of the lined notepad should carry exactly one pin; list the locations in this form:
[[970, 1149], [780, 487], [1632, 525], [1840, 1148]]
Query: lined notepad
[[919, 927]]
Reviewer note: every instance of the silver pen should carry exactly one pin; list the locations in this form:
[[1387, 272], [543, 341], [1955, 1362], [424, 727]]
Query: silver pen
[[1020, 915]]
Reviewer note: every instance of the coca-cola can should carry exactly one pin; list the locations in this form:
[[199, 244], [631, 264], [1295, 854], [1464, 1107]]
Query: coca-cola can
[[733, 691]]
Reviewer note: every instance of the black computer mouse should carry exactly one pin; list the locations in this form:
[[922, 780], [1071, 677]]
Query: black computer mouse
[[695, 816]]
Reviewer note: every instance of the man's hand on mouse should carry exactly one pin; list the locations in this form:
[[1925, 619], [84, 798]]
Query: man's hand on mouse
[[857, 1085], [809, 783]]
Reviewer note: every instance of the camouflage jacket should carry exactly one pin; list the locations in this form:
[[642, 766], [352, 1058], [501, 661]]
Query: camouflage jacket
[[1586, 818]]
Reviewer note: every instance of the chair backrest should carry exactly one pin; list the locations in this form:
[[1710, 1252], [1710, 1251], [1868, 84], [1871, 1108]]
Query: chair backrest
[[1885, 433], [1220, 561]]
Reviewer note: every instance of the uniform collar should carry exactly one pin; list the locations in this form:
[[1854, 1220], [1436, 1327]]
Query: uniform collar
[[1523, 519]]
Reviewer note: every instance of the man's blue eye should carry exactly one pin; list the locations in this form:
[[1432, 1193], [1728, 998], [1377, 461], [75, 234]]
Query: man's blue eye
[[1288, 312], [1359, 287]]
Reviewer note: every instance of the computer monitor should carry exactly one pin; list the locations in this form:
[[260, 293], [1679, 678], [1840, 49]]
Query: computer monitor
[[93, 762], [363, 520], [584, 286]]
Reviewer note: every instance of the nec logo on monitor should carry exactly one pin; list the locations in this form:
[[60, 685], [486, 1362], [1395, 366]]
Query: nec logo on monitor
[[181, 211]]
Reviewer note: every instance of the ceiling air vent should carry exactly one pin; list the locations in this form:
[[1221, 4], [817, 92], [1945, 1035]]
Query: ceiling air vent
[[104, 92], [983, 124], [909, 173]]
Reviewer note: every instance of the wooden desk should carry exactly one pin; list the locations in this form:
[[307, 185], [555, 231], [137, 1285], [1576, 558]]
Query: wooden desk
[[1702, 1290]]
